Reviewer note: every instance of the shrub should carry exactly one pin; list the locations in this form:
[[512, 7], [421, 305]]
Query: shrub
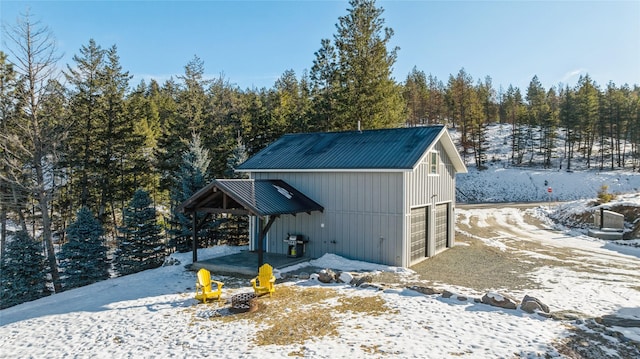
[[604, 196]]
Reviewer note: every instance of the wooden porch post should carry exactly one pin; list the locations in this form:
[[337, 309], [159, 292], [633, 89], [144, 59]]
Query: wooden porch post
[[194, 242], [263, 235]]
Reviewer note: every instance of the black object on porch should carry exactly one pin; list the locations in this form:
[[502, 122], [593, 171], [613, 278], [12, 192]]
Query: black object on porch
[[267, 199]]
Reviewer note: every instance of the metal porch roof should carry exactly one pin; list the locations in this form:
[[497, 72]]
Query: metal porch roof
[[397, 148], [248, 196]]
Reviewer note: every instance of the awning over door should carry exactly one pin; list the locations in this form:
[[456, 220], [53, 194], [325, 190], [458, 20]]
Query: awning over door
[[250, 197]]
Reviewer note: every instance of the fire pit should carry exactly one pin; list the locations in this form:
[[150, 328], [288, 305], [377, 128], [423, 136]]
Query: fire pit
[[244, 302]]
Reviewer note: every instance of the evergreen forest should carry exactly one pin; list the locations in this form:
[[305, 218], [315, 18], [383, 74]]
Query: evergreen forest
[[92, 165]]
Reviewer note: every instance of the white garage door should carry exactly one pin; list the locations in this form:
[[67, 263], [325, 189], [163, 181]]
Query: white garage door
[[442, 226], [418, 233]]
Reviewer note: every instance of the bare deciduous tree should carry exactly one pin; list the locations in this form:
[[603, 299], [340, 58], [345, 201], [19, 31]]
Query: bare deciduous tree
[[35, 133]]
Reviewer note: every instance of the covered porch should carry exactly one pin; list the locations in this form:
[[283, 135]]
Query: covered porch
[[244, 263], [267, 199]]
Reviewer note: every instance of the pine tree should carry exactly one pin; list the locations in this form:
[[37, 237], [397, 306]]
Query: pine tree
[[291, 105], [324, 88], [569, 119], [360, 87], [513, 114], [415, 94], [22, 271], [587, 101], [258, 116], [140, 247], [116, 140], [83, 258], [225, 123], [8, 88], [633, 129], [436, 110], [237, 156], [550, 126], [234, 228], [191, 177], [142, 154], [166, 153], [477, 129], [192, 99], [538, 111], [87, 113], [459, 101]]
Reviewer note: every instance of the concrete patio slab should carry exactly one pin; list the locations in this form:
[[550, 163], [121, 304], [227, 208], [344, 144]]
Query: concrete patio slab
[[245, 263]]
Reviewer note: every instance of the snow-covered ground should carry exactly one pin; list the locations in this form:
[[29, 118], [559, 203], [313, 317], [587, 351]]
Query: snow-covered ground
[[152, 314], [509, 184]]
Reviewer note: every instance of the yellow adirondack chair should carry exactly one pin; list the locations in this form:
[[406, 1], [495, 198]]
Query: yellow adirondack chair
[[265, 281], [204, 287]]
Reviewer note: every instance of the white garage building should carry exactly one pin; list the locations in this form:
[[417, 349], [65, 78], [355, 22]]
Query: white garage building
[[383, 196]]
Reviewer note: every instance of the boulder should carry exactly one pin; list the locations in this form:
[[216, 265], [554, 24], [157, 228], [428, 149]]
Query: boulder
[[531, 305], [612, 320], [170, 261], [571, 315], [326, 276], [376, 286], [304, 275], [447, 294], [362, 280], [499, 300], [425, 290], [345, 277]]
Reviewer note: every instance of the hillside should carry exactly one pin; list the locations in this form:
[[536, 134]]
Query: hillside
[[502, 182]]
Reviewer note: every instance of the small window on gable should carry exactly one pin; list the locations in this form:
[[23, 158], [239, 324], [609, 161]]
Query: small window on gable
[[433, 163]]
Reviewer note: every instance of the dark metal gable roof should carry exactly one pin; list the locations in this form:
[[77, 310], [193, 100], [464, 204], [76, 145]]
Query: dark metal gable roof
[[398, 148], [247, 196]]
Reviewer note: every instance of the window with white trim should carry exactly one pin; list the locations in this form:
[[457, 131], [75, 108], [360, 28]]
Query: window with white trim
[[434, 163]]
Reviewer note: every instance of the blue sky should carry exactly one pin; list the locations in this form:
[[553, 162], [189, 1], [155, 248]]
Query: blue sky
[[253, 42]]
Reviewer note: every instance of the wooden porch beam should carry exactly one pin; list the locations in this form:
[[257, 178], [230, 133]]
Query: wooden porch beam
[[236, 211]]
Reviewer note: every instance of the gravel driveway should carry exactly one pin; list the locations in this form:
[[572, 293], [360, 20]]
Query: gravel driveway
[[504, 248]]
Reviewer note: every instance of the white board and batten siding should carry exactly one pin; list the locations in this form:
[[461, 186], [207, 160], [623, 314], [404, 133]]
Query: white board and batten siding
[[430, 200], [368, 215], [363, 216]]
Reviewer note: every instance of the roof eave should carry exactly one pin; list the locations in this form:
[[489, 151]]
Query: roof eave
[[309, 170]]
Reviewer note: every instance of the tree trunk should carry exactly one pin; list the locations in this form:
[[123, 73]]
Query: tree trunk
[[3, 229], [43, 202]]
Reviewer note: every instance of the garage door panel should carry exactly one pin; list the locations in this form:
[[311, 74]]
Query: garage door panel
[[418, 233], [441, 226]]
